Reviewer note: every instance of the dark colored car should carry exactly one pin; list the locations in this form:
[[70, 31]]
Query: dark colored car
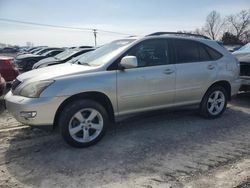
[[2, 85], [8, 69], [25, 62], [9, 50], [62, 57]]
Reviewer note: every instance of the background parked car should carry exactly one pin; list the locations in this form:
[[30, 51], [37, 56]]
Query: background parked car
[[232, 48], [25, 62], [62, 57], [45, 49], [29, 50], [9, 50], [243, 56], [8, 69]]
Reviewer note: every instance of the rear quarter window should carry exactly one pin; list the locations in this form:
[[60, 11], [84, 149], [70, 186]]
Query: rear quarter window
[[215, 55], [188, 51], [204, 55]]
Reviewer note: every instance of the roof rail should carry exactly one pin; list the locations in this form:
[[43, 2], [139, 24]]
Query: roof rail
[[178, 33]]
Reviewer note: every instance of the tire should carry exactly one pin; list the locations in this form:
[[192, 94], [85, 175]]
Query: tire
[[210, 107], [78, 127]]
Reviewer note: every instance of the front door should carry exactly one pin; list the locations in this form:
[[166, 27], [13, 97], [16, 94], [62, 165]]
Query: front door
[[152, 84]]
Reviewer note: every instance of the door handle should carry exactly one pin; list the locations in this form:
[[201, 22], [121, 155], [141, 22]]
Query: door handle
[[210, 67], [168, 71]]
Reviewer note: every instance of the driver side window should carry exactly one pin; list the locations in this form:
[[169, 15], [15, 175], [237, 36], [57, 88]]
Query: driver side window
[[150, 53]]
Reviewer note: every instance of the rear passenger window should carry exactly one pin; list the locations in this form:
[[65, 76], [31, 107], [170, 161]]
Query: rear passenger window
[[186, 51], [213, 54]]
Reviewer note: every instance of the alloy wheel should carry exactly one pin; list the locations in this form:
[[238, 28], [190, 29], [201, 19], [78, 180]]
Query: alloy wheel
[[86, 125], [216, 102]]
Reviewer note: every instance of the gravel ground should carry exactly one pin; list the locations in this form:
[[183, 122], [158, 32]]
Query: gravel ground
[[170, 148]]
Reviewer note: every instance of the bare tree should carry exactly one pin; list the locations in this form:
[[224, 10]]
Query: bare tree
[[246, 36], [239, 23], [199, 31], [213, 25]]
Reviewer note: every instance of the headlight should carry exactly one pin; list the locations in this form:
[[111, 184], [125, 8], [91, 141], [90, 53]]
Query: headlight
[[34, 90]]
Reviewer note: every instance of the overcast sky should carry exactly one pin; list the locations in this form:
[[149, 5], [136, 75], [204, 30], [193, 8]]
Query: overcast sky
[[136, 17]]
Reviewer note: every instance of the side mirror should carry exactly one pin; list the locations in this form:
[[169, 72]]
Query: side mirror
[[129, 62]]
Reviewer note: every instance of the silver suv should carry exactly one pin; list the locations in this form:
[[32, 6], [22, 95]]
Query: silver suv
[[124, 77]]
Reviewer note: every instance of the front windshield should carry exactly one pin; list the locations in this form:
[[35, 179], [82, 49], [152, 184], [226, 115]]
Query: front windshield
[[103, 54], [46, 53], [36, 52], [245, 48], [75, 59], [67, 53]]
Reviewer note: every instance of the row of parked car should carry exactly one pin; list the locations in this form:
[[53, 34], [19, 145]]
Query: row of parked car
[[34, 58], [47, 56]]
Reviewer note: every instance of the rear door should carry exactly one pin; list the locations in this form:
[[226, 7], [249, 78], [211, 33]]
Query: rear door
[[195, 70], [152, 84]]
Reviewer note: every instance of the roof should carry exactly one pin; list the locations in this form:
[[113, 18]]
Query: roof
[[5, 58]]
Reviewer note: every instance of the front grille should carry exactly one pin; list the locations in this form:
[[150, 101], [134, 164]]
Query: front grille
[[15, 84]]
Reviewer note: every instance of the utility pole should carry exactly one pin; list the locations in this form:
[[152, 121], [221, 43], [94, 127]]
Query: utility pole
[[95, 32]]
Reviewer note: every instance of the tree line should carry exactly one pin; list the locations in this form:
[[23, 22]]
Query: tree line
[[231, 29]]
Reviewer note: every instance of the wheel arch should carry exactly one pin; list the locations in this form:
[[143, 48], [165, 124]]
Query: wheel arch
[[225, 84], [99, 97]]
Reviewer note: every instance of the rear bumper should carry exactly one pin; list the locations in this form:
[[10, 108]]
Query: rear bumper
[[235, 86], [45, 108], [245, 84]]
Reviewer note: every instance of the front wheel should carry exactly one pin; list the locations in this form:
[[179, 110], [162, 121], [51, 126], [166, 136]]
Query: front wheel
[[214, 102], [83, 123]]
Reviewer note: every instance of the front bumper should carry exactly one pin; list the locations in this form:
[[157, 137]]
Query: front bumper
[[45, 108]]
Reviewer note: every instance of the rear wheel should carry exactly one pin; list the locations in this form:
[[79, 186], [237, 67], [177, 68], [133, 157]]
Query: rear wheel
[[214, 102], [83, 123]]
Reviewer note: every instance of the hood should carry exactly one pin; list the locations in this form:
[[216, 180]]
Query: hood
[[23, 56], [45, 61], [243, 57], [54, 72]]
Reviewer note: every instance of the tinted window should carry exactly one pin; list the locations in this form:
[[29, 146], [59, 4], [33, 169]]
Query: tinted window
[[213, 54], [186, 51], [150, 53], [204, 56]]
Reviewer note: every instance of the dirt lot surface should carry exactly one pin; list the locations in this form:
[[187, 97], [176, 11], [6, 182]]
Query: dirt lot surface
[[176, 148]]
